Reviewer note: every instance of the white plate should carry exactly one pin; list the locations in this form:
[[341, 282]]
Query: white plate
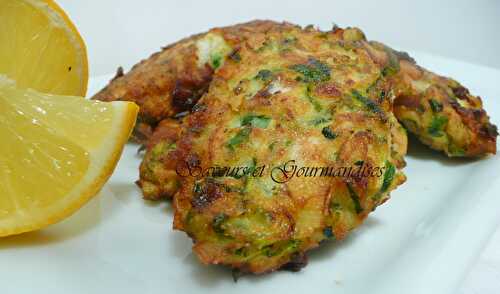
[[421, 241]]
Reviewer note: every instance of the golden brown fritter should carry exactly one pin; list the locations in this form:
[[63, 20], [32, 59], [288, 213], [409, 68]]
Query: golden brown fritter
[[278, 93], [295, 112], [157, 177], [442, 113], [172, 80]]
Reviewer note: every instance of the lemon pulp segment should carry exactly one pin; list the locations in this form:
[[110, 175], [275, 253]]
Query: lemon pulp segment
[[41, 49], [57, 152]]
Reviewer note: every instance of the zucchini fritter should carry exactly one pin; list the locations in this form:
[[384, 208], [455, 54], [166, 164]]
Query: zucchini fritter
[[279, 98], [172, 80], [157, 172], [158, 178], [438, 110], [442, 113], [295, 110]]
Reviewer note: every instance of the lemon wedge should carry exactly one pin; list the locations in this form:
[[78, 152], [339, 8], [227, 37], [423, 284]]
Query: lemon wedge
[[57, 153], [40, 48]]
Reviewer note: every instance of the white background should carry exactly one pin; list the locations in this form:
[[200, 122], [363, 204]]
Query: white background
[[123, 32], [118, 32]]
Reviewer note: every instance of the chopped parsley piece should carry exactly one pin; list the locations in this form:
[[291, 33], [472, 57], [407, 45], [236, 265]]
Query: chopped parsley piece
[[259, 121], [239, 138], [313, 72], [328, 133], [435, 129], [355, 198], [216, 61], [435, 106], [388, 176], [264, 75], [367, 102]]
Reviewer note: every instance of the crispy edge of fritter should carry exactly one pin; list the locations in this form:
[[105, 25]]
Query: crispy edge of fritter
[[172, 80], [438, 110], [444, 116], [158, 178], [154, 82]]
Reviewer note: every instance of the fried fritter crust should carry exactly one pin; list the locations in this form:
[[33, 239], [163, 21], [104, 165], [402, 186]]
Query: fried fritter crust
[[254, 224], [172, 80], [157, 177], [438, 110], [317, 98], [442, 113]]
